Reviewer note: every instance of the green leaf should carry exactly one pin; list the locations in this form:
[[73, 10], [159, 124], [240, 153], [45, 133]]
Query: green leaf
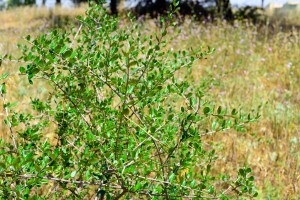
[[219, 110], [130, 89], [172, 177], [229, 123], [2, 165], [193, 183], [234, 112], [10, 105], [3, 88], [248, 170], [73, 173], [208, 167], [126, 111], [152, 129], [73, 54], [182, 109], [170, 117], [63, 49], [211, 190], [4, 76], [242, 172], [27, 37], [29, 156], [137, 186], [22, 70], [206, 110], [26, 192], [214, 125], [67, 54]]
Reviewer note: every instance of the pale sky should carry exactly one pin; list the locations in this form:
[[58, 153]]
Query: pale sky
[[257, 2]]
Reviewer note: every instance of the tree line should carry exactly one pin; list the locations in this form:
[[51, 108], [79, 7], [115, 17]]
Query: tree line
[[222, 8], [219, 8]]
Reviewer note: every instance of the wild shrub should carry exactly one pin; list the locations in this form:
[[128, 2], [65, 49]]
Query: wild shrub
[[126, 126]]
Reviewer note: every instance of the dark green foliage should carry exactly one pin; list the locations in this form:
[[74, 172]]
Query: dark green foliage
[[14, 3], [125, 126]]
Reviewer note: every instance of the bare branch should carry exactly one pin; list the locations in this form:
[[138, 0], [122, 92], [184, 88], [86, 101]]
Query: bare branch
[[50, 178], [8, 122], [80, 27]]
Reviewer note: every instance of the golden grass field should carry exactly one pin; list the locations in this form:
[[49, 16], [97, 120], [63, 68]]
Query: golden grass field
[[251, 66]]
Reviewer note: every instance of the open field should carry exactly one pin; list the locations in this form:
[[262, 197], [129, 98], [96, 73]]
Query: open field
[[251, 67]]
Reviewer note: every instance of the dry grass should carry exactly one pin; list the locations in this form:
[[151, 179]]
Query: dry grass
[[24, 18], [14, 25], [285, 18], [250, 67], [253, 67]]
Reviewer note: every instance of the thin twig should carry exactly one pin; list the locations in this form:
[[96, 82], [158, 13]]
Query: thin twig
[[180, 136], [224, 129], [122, 194], [8, 122], [176, 196], [28, 176], [72, 102], [168, 183], [16, 61], [76, 35], [106, 83], [79, 182], [143, 130]]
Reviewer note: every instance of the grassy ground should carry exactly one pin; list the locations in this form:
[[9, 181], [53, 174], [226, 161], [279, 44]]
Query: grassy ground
[[251, 67]]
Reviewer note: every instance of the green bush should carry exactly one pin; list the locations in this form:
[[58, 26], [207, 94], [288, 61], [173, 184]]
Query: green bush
[[126, 127], [15, 3]]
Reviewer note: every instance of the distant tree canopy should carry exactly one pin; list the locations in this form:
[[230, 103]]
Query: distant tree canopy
[[197, 8], [224, 9], [200, 8]]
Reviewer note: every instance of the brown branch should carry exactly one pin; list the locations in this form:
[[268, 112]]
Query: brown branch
[[50, 178], [106, 83], [73, 103], [122, 194], [176, 196], [125, 190]]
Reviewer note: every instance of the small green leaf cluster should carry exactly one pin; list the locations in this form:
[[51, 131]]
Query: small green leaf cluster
[[125, 126]]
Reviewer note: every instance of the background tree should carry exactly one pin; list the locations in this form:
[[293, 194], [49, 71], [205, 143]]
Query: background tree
[[114, 7], [224, 9], [160, 6], [199, 9]]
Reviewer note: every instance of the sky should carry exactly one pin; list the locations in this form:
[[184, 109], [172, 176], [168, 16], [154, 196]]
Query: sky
[[257, 2]]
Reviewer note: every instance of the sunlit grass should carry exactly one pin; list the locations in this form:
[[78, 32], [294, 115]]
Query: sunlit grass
[[251, 67], [285, 18], [15, 24]]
